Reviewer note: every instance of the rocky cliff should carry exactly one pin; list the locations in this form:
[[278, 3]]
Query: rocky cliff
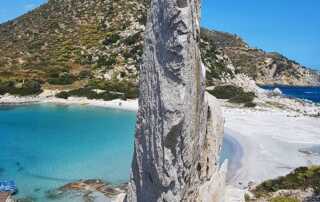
[[79, 41], [263, 67], [179, 129]]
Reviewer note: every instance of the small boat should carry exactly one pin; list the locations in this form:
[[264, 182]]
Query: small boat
[[8, 186]]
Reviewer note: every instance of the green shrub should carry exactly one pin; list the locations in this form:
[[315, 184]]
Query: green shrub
[[90, 94], [103, 61], [96, 84], [128, 88], [85, 74], [132, 93], [226, 92], [301, 178], [83, 92], [216, 68], [113, 90], [284, 199], [243, 97], [55, 72], [63, 95], [234, 94], [6, 86], [112, 60], [62, 79], [28, 88], [111, 39], [133, 39]]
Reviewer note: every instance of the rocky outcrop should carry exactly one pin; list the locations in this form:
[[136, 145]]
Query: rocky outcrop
[[88, 190], [263, 67], [179, 129]]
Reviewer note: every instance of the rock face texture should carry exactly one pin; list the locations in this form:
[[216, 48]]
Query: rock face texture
[[266, 68], [179, 129]]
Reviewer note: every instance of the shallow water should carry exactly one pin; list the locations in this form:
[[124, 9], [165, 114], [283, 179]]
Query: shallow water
[[311, 150], [233, 152], [316, 149], [46, 146]]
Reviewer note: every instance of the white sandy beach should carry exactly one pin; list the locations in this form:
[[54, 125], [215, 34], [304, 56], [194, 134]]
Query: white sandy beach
[[270, 139], [271, 142], [47, 97]]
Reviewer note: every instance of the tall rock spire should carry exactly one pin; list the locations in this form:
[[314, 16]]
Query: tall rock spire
[[179, 130]]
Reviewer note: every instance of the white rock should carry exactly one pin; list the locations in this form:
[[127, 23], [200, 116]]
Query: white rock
[[277, 91], [179, 129]]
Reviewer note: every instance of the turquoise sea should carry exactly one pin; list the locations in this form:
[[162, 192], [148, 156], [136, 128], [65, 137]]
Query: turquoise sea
[[46, 146]]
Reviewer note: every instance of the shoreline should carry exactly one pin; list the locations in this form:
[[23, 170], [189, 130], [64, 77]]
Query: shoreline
[[266, 142], [288, 95], [128, 105], [271, 142], [234, 163], [284, 85], [269, 147]]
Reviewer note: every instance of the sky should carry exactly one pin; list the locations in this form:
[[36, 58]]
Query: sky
[[290, 27]]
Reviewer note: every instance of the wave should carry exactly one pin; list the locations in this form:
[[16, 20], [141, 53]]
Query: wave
[[310, 92]]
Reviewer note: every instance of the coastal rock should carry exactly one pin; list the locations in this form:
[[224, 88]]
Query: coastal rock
[[179, 128], [245, 82], [90, 190], [265, 68], [277, 91]]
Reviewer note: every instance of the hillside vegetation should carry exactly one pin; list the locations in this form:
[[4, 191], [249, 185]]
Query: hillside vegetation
[[263, 67], [66, 44], [303, 184]]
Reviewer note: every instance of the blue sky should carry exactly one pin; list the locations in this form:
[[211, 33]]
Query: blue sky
[[290, 27], [9, 9]]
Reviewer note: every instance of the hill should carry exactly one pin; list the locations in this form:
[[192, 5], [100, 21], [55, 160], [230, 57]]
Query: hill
[[68, 44], [265, 68]]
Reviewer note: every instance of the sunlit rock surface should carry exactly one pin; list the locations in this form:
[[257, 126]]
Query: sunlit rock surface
[[179, 129]]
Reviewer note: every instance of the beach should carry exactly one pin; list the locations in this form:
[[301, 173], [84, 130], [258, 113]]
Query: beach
[[48, 97], [271, 143], [268, 142]]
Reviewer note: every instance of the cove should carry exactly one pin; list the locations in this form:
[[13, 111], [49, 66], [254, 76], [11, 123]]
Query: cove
[[46, 146]]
